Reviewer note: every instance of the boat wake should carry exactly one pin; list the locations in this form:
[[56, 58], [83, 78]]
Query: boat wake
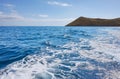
[[96, 58]]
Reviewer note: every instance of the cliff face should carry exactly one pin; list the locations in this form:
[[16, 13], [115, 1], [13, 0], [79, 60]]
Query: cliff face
[[83, 21]]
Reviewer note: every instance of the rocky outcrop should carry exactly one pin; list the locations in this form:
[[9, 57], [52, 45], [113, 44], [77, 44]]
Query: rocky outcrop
[[84, 21]]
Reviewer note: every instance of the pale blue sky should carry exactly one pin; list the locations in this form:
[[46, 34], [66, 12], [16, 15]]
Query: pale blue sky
[[54, 12]]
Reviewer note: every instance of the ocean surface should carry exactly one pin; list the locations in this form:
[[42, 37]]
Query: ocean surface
[[59, 52]]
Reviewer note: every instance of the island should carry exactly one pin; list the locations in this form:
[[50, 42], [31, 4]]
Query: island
[[84, 21]]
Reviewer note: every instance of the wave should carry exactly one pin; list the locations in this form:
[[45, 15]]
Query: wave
[[96, 58]]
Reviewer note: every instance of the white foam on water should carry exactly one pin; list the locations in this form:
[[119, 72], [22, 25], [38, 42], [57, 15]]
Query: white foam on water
[[28, 68], [113, 74], [74, 56]]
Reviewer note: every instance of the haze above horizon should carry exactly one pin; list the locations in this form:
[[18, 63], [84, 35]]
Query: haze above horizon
[[54, 12]]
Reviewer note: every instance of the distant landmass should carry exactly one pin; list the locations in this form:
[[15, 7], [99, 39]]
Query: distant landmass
[[84, 21]]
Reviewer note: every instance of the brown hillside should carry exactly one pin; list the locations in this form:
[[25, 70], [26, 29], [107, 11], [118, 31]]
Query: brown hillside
[[83, 21]]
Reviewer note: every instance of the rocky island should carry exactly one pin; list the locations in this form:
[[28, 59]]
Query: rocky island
[[84, 21]]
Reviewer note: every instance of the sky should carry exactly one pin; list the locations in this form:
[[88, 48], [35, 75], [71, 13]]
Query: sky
[[54, 12]]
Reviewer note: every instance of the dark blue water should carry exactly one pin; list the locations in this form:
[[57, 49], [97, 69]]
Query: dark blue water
[[59, 52]]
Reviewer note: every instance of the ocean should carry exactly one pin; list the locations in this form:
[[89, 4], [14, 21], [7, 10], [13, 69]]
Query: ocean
[[30, 52]]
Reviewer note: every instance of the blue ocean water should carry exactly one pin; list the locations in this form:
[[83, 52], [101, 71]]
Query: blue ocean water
[[59, 52]]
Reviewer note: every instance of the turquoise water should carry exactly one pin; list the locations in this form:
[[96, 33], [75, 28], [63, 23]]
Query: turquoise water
[[59, 52]]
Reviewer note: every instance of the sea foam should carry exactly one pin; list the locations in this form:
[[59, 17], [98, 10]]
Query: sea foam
[[97, 58]]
